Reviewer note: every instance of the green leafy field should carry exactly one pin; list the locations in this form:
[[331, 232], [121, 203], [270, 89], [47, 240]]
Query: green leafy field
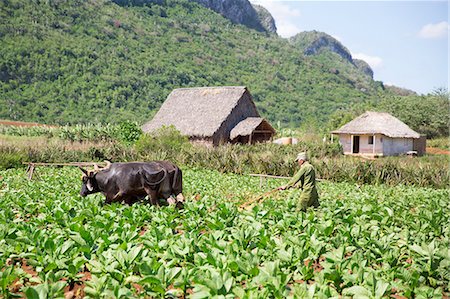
[[364, 241]]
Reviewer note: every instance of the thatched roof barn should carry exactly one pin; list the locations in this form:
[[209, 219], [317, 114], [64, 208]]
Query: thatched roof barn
[[211, 113], [379, 134], [251, 128]]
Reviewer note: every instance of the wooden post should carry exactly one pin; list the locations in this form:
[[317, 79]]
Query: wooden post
[[30, 171], [351, 144], [374, 142]]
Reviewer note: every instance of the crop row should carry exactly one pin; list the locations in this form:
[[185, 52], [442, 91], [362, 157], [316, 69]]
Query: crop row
[[366, 241]]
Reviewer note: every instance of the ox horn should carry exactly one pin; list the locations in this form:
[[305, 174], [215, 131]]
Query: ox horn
[[108, 164], [96, 168], [84, 170]]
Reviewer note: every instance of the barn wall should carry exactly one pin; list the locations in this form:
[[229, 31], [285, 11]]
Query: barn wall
[[420, 144], [244, 108], [396, 146], [207, 142]]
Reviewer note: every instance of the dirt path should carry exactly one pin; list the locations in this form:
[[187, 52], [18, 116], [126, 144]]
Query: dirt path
[[22, 124], [437, 151]]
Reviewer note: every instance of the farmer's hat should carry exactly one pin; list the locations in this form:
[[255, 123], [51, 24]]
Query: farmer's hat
[[302, 156]]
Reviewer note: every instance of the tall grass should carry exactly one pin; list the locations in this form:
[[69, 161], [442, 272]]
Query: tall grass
[[168, 144], [429, 171], [442, 143]]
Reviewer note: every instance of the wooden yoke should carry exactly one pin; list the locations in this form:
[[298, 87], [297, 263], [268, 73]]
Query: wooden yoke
[[32, 165]]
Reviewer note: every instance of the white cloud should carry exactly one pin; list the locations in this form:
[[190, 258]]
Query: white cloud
[[277, 9], [434, 30], [374, 61], [286, 29], [282, 13]]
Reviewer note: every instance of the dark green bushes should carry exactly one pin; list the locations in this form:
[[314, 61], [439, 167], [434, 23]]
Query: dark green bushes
[[119, 62], [11, 158], [166, 139], [126, 132]]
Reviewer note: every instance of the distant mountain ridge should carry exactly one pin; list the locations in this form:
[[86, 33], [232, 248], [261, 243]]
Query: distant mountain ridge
[[237, 11], [266, 19], [314, 42]]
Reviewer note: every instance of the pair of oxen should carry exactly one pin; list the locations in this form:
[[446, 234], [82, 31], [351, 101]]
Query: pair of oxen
[[133, 181]]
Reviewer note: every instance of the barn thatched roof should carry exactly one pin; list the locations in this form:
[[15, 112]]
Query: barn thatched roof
[[198, 111], [378, 123], [248, 125]]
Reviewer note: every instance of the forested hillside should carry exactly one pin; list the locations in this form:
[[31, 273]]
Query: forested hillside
[[98, 61]]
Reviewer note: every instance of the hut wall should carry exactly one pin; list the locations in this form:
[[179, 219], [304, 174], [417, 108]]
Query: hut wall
[[397, 146], [346, 142], [245, 108], [364, 146]]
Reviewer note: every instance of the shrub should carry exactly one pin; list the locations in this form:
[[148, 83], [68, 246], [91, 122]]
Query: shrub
[[167, 139], [129, 132], [11, 158]]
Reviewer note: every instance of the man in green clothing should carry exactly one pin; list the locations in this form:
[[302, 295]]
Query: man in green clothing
[[304, 179]]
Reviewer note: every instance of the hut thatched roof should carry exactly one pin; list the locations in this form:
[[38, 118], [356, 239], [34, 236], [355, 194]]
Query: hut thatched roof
[[248, 125], [197, 111], [378, 123]]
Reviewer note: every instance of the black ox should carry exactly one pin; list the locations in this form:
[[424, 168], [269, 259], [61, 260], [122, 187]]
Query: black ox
[[131, 182]]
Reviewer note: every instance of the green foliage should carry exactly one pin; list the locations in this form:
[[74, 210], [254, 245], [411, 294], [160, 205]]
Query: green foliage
[[119, 62], [426, 114], [169, 144], [168, 138], [424, 171], [442, 143], [89, 132], [363, 241], [341, 117], [11, 158], [129, 132], [116, 63]]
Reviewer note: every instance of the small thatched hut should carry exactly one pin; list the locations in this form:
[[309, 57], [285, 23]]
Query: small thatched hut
[[213, 115], [379, 134]]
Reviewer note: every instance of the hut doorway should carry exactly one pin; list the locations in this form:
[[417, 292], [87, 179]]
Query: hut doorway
[[355, 144]]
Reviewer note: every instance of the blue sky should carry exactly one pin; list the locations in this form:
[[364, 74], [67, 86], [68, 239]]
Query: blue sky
[[405, 42]]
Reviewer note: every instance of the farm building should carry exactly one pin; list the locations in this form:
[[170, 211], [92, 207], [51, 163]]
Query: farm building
[[213, 115], [379, 134]]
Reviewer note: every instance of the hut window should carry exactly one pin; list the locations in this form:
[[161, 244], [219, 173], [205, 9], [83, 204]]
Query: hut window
[[370, 139]]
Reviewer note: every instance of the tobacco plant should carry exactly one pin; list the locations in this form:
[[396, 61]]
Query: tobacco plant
[[362, 242]]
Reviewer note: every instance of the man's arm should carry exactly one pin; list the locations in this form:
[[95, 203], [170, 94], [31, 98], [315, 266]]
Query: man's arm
[[294, 180]]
